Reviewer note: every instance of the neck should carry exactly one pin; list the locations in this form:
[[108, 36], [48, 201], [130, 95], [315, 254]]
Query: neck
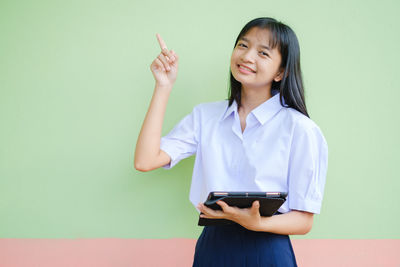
[[252, 98]]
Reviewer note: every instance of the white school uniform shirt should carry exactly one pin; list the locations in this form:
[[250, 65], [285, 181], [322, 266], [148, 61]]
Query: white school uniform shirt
[[280, 150]]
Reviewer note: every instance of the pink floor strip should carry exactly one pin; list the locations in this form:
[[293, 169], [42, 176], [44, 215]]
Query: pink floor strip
[[179, 252]]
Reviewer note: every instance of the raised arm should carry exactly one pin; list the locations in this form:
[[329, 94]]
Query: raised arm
[[148, 155]]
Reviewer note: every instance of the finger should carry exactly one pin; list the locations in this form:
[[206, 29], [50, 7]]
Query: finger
[[161, 42], [228, 210], [215, 215], [159, 64], [174, 54], [170, 57], [163, 59], [255, 207], [210, 212], [256, 204], [200, 207], [176, 57], [225, 207], [164, 48], [206, 209]]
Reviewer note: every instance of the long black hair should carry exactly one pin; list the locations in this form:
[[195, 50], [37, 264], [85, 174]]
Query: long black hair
[[291, 86]]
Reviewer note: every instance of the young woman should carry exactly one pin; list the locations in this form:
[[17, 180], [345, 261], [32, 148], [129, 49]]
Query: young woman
[[261, 139]]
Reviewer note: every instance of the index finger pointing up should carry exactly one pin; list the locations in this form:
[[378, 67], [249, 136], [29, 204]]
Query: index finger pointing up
[[161, 42]]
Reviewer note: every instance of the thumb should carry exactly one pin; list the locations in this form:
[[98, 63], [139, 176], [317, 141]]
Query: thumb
[[255, 207]]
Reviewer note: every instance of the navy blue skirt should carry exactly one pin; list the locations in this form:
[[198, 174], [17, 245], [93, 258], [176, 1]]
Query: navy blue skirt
[[234, 246]]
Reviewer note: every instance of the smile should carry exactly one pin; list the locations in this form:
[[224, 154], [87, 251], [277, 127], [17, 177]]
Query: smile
[[245, 69]]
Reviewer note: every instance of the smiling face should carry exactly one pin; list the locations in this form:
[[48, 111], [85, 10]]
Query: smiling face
[[254, 63]]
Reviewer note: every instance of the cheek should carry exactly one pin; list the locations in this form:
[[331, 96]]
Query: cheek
[[233, 58], [236, 54], [266, 68], [233, 61]]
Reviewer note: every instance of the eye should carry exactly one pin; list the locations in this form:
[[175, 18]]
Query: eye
[[242, 45], [264, 54]]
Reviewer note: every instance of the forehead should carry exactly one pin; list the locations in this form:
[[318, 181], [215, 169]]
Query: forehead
[[259, 37]]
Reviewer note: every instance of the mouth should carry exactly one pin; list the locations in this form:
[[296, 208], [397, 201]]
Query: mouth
[[244, 68]]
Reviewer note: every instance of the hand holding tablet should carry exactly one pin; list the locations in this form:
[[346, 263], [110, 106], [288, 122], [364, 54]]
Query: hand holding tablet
[[269, 203]]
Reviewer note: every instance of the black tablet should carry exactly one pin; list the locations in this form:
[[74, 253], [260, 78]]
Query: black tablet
[[270, 202]]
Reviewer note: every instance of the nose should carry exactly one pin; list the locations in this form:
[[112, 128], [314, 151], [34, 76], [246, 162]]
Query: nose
[[248, 56]]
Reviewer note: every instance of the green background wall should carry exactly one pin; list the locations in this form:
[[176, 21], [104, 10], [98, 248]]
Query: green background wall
[[75, 85]]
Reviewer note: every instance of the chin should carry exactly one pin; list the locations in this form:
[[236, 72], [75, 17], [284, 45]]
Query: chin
[[240, 79], [237, 76]]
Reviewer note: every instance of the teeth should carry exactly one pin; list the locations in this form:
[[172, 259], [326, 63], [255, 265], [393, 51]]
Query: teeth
[[246, 68]]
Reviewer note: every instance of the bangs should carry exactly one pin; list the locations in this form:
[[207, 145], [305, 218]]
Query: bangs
[[276, 32], [274, 36]]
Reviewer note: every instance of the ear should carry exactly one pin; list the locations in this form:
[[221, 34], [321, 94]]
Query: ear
[[279, 75]]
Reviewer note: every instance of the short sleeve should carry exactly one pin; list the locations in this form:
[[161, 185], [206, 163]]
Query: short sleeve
[[307, 169], [181, 141]]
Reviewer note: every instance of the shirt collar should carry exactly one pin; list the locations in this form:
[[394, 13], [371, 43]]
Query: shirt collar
[[268, 109], [231, 109], [263, 112]]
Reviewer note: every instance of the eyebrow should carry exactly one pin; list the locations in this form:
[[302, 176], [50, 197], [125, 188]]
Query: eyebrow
[[263, 46]]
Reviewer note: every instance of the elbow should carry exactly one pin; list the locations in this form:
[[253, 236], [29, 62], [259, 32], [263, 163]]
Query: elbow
[[307, 226], [304, 223], [139, 166], [306, 229]]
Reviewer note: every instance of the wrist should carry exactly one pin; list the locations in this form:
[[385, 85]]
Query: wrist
[[253, 225], [163, 87], [261, 225]]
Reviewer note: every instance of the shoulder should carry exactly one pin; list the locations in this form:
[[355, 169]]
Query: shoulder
[[303, 126], [299, 120]]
